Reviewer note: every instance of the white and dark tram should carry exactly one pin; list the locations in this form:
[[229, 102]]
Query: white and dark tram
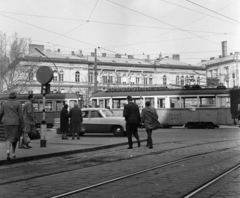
[[201, 108]]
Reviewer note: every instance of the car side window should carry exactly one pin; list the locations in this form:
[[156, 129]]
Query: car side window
[[85, 114], [95, 114]]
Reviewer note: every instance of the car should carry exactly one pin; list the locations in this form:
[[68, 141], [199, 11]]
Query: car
[[99, 120]]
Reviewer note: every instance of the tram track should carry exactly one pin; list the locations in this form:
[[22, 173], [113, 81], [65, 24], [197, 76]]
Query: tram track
[[99, 162], [189, 195]]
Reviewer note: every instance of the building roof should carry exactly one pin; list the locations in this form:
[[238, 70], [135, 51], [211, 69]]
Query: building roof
[[217, 61]]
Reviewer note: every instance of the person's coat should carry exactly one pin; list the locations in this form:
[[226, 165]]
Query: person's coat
[[64, 120], [76, 119], [150, 118], [131, 113]]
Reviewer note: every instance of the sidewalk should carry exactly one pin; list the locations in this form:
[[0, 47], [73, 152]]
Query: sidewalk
[[56, 146]]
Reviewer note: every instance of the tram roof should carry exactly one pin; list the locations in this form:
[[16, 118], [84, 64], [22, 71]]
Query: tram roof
[[54, 96], [206, 91]]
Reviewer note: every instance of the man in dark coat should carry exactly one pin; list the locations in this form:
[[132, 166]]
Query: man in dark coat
[[64, 121], [132, 117], [76, 120], [150, 119]]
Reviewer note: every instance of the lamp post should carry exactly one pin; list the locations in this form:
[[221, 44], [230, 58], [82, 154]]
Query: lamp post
[[53, 64]]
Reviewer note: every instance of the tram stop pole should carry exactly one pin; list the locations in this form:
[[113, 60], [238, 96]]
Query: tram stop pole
[[44, 77]]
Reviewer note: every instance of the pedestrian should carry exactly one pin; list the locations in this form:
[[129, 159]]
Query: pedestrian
[[132, 117], [149, 117], [13, 121], [30, 122], [64, 121], [76, 120]]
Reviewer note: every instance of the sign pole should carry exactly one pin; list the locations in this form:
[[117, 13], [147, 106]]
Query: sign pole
[[44, 77], [43, 141]]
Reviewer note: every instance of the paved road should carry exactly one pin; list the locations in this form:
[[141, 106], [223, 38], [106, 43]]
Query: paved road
[[221, 148]]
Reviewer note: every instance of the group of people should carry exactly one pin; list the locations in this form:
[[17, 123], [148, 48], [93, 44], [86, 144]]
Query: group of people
[[18, 122], [133, 118], [75, 115]]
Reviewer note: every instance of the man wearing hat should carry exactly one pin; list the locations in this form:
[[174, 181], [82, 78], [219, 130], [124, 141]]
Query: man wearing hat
[[132, 117], [11, 110]]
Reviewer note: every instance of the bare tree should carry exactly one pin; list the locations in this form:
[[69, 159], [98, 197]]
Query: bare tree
[[13, 73]]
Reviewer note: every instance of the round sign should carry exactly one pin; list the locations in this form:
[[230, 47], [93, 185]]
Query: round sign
[[44, 74]]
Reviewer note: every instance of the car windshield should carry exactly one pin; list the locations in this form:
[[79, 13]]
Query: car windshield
[[107, 113]]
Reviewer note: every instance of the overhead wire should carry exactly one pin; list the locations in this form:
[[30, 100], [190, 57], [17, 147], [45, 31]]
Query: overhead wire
[[212, 11], [76, 26]]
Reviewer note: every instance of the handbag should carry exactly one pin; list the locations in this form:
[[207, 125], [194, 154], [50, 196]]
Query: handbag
[[26, 138]]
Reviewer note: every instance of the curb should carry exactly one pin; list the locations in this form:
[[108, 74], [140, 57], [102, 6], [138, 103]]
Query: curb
[[48, 155]]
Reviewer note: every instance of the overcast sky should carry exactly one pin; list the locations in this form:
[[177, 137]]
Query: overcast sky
[[194, 29]]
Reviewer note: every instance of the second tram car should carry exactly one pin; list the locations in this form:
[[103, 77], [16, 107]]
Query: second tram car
[[192, 108], [53, 104]]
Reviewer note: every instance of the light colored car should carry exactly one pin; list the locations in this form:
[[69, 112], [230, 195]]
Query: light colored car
[[99, 120]]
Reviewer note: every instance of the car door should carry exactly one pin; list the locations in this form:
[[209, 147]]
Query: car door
[[95, 122], [85, 124]]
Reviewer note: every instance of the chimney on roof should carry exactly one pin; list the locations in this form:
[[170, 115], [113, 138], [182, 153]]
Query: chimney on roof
[[93, 54], [117, 55], [160, 56], [231, 53], [203, 60], [211, 58], [73, 53], [176, 57], [58, 50], [80, 53], [130, 56], [224, 48], [220, 56]]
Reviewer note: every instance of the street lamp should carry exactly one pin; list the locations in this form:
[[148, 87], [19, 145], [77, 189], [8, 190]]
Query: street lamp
[[53, 64]]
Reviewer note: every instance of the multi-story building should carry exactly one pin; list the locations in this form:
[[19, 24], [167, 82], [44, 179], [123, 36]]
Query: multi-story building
[[223, 70], [76, 73]]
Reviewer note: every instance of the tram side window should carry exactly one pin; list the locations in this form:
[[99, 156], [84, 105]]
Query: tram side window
[[224, 101], [207, 102], [59, 105], [175, 103], [151, 100], [35, 106], [48, 106], [161, 103], [189, 102]]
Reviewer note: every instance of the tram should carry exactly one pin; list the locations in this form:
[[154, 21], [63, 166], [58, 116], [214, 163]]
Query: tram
[[53, 104], [192, 108]]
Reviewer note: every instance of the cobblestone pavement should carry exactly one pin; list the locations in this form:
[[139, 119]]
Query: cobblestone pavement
[[99, 166]]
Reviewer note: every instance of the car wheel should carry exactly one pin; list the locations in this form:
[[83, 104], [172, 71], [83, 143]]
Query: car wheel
[[117, 131]]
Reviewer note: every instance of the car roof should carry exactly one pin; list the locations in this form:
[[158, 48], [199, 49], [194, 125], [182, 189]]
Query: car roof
[[90, 109]]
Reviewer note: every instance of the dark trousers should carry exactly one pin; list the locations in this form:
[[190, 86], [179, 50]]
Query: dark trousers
[[132, 129], [149, 137]]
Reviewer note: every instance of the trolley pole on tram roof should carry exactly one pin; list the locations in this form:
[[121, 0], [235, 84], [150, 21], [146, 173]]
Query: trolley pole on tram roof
[[95, 71]]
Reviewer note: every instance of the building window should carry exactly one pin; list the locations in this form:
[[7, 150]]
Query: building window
[[186, 80], [150, 81], [55, 76], [77, 76], [90, 78], [210, 74], [104, 79], [145, 81], [182, 81], [198, 80], [30, 75], [61, 76], [165, 80], [215, 74], [119, 80], [137, 80], [177, 80], [110, 79]]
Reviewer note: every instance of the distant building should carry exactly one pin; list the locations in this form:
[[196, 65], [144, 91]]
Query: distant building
[[75, 72], [223, 70]]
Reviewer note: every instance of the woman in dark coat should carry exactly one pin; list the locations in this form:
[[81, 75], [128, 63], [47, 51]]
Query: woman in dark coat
[[76, 120], [64, 121]]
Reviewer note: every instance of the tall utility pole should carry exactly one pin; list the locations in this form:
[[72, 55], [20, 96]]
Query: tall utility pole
[[95, 71]]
